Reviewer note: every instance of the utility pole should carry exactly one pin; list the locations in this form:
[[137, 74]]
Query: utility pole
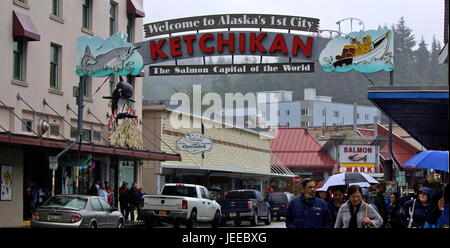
[[80, 103]]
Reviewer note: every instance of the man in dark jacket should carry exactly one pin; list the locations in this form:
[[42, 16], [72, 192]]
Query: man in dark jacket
[[123, 199], [134, 198], [380, 203], [308, 211]]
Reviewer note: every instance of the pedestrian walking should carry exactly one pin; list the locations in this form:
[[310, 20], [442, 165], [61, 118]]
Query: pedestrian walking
[[419, 210], [366, 198], [380, 203], [141, 202], [133, 203], [308, 211], [355, 213], [394, 213], [443, 220], [337, 201], [110, 193], [124, 200], [102, 192], [93, 190], [324, 195]]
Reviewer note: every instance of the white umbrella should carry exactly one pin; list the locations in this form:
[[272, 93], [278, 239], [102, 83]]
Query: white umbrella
[[348, 179]]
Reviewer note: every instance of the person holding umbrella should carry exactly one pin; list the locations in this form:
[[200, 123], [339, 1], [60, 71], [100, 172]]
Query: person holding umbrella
[[355, 213], [419, 210]]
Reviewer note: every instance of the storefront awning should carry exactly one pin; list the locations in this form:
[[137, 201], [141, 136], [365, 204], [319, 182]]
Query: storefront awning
[[23, 27], [422, 111], [24, 140], [134, 8], [228, 170]]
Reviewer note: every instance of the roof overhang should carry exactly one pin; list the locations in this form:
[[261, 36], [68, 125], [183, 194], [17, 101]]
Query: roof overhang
[[33, 141], [135, 9], [422, 111], [23, 27], [227, 170]]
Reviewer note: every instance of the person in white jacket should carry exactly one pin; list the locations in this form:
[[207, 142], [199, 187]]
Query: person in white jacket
[[355, 212], [102, 192]]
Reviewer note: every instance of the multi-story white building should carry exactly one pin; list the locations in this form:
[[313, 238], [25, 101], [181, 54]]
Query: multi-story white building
[[315, 110], [38, 46]]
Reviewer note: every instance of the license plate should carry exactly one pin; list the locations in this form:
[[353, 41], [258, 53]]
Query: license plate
[[55, 217], [275, 208], [163, 213], [232, 214]]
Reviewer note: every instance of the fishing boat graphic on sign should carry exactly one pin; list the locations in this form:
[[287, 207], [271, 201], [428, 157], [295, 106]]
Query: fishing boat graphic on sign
[[366, 52]]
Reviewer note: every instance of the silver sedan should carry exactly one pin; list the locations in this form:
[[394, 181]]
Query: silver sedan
[[75, 211]]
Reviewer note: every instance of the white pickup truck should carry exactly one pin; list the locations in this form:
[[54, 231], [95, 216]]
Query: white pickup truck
[[181, 203]]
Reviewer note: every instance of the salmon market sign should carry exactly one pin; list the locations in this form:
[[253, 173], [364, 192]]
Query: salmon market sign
[[167, 44]]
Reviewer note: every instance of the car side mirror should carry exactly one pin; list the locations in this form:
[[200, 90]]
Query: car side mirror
[[112, 209]]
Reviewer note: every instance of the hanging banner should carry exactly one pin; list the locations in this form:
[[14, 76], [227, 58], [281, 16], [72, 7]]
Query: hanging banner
[[298, 23], [98, 57], [366, 52]]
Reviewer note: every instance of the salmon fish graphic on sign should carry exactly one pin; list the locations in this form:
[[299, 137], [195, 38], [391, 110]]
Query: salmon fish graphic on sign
[[98, 57], [367, 52]]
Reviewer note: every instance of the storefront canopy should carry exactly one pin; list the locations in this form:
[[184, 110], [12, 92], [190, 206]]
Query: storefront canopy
[[422, 111], [24, 140]]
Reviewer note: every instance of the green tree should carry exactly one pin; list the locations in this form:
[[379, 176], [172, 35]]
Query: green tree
[[422, 60], [404, 42]]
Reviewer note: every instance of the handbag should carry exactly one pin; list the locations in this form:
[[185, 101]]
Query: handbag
[[367, 225]]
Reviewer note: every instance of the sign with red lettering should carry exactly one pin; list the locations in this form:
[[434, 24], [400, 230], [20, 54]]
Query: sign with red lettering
[[231, 43], [357, 154]]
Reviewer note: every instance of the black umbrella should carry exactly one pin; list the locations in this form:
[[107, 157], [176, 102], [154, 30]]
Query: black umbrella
[[214, 188]]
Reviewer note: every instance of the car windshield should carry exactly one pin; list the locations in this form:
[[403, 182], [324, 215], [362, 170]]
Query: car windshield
[[179, 191], [277, 198], [241, 195], [66, 202]]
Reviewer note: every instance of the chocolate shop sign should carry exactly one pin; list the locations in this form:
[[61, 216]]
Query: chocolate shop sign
[[229, 43], [194, 143]]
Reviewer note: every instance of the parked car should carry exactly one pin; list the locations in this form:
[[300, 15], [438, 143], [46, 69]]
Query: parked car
[[246, 204], [279, 203], [181, 203], [75, 211]]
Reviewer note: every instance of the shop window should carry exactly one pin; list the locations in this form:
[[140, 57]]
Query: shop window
[[366, 117], [54, 130], [336, 113], [324, 112], [27, 126], [357, 116], [287, 112]]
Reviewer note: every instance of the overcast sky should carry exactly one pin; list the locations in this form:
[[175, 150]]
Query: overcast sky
[[424, 17]]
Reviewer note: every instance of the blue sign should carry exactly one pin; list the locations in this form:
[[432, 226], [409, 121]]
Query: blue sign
[[367, 52], [98, 57]]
